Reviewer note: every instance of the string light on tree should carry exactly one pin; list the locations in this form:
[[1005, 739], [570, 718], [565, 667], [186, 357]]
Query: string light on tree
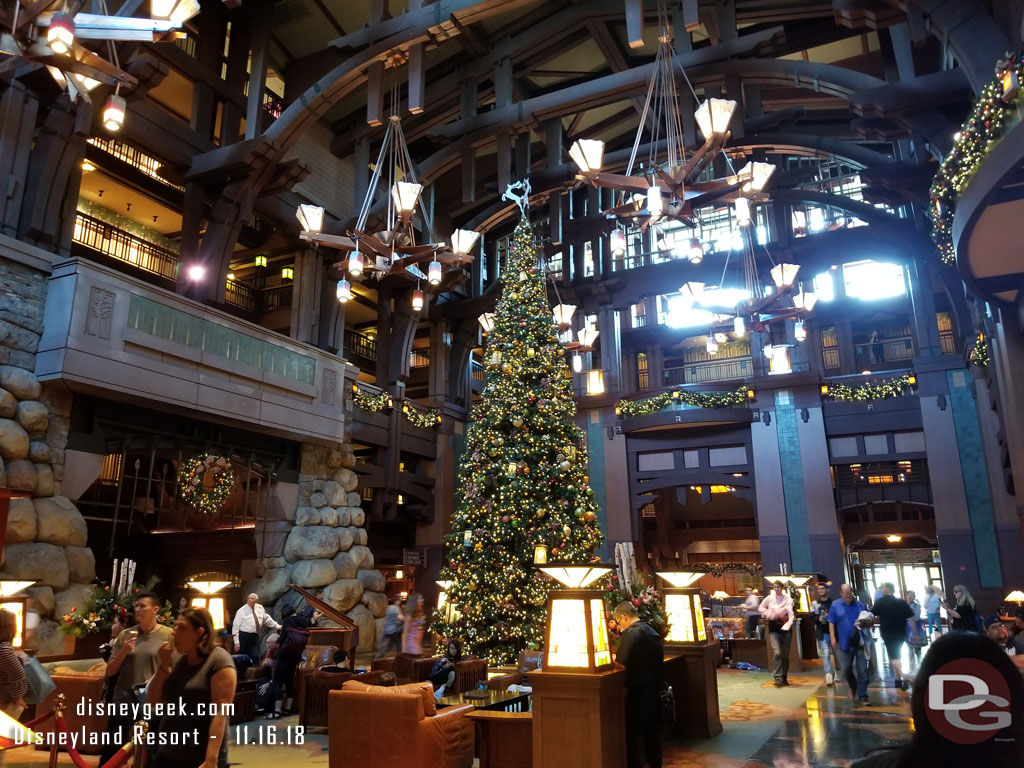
[[523, 480]]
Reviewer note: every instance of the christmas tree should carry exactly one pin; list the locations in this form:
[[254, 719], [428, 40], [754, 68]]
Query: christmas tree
[[523, 478]]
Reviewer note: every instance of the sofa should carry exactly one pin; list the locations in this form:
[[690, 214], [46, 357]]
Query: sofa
[[396, 727], [79, 681]]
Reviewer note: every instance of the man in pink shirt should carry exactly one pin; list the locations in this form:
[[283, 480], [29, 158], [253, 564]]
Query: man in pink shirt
[[777, 610]]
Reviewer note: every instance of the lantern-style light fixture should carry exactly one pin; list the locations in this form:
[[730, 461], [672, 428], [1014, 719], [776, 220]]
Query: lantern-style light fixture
[[587, 337], [742, 209], [311, 218], [595, 382], [355, 263], [177, 11], [758, 175], [434, 273], [587, 154], [683, 609], [739, 327], [260, 260], [784, 274], [540, 554], [463, 241], [344, 291], [691, 293], [1010, 83], [655, 204], [563, 315], [114, 111], [805, 300], [712, 344], [696, 254], [577, 362], [576, 636], [287, 273], [405, 194], [417, 300], [617, 242], [714, 115], [61, 34], [799, 330], [486, 321]]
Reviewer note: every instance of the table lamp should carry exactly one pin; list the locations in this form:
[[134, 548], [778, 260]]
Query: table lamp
[[682, 608], [11, 600], [576, 635], [1015, 597]]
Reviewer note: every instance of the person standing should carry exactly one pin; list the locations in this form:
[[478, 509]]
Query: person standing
[[291, 644], [963, 617], [844, 627], [932, 606], [642, 654], [819, 614], [392, 636], [251, 619], [134, 658], [201, 683], [777, 610], [750, 606], [13, 682], [415, 619], [893, 615]]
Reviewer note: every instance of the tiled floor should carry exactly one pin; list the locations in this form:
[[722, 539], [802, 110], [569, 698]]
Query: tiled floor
[[806, 724]]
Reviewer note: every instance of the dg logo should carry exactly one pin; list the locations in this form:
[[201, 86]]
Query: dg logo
[[968, 701]]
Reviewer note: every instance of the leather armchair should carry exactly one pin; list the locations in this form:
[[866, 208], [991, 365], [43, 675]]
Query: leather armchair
[[529, 661], [469, 673], [313, 657], [408, 667], [389, 730], [317, 685]]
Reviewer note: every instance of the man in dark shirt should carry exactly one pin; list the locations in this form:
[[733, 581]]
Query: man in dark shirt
[[642, 654], [819, 615], [892, 616]]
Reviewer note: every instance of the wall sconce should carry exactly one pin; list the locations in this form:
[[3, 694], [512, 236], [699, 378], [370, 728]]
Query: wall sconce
[[576, 636], [287, 273], [260, 260]]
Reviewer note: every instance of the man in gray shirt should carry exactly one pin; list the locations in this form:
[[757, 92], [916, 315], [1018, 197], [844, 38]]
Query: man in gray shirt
[[392, 628], [134, 660]]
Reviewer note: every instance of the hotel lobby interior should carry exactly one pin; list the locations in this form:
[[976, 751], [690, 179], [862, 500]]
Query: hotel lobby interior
[[434, 321]]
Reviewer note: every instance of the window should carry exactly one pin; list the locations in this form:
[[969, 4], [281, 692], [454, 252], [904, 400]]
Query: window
[[869, 280], [727, 456], [824, 286]]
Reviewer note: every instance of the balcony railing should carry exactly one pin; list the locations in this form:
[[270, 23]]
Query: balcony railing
[[134, 157], [736, 368], [126, 247], [278, 297], [884, 351], [241, 295], [419, 358], [360, 345], [477, 370]]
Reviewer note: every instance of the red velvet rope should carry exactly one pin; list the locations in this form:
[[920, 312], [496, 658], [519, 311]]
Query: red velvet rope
[[38, 720], [118, 759]]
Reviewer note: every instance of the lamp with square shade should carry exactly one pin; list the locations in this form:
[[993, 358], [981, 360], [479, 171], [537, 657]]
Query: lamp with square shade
[[576, 636]]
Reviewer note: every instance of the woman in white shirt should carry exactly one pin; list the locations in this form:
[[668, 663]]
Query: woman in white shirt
[[777, 610]]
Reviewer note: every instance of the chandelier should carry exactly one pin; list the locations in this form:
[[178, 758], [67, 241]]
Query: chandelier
[[392, 250], [52, 40]]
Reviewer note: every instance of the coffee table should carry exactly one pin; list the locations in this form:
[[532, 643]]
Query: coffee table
[[502, 701]]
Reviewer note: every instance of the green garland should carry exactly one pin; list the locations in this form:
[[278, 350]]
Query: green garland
[[376, 403], [630, 409], [982, 129], [422, 419], [191, 485], [979, 352], [717, 569], [893, 387]]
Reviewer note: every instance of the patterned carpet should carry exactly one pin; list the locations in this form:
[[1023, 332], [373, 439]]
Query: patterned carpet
[[804, 725]]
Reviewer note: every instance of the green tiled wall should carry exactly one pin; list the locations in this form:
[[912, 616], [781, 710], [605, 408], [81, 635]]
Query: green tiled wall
[[595, 449], [792, 481], [975, 474]]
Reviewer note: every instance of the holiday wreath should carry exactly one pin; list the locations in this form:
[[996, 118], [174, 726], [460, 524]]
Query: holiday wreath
[[192, 482]]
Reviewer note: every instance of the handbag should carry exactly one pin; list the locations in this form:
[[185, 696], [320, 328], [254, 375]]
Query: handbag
[[668, 704], [40, 684]]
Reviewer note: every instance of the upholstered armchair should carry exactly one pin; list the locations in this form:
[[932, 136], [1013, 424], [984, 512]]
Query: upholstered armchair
[[408, 667], [317, 685], [313, 657], [396, 727], [469, 673]]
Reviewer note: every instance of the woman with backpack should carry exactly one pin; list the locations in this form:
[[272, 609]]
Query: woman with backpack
[[291, 644]]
